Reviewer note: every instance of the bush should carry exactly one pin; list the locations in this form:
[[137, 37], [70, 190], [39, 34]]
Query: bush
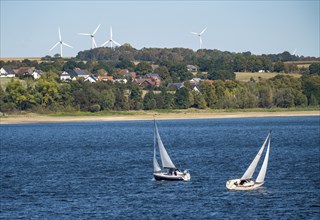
[[94, 108]]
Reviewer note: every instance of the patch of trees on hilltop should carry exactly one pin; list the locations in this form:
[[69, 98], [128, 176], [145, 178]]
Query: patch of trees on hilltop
[[204, 58]]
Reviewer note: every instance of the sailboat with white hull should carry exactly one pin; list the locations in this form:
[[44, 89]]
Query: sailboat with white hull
[[246, 182], [168, 171]]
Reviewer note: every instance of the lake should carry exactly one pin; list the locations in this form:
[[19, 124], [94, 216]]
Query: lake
[[103, 170]]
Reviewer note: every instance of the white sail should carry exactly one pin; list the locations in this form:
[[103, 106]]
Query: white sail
[[264, 166], [156, 166], [249, 172], [166, 161]]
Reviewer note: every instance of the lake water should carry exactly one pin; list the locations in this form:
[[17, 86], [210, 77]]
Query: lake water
[[103, 170]]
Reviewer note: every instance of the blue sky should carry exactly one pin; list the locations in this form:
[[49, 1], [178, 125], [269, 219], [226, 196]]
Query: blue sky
[[30, 28]]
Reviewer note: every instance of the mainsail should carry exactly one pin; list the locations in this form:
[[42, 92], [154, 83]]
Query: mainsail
[[156, 166], [249, 172], [264, 166], [165, 159]]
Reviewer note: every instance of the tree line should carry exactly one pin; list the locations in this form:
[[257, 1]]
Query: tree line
[[49, 95]]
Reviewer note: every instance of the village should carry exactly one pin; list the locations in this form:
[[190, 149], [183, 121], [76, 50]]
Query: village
[[146, 81]]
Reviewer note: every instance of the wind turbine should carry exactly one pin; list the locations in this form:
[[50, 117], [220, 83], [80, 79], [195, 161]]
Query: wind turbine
[[110, 40], [61, 43], [294, 52], [199, 34], [92, 37]]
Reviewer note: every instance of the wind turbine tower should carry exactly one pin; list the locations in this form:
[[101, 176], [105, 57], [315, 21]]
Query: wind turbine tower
[[110, 40], [199, 35], [93, 45], [61, 43]]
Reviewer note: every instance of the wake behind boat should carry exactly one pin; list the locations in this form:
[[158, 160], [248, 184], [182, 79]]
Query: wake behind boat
[[168, 171], [246, 182]]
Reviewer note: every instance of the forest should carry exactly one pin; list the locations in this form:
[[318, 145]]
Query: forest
[[218, 88]]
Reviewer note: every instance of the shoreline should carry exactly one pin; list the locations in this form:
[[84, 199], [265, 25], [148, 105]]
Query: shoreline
[[35, 118]]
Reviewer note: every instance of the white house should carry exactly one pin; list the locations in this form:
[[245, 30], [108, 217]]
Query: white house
[[36, 74], [7, 72], [65, 76], [91, 79], [123, 81], [195, 81]]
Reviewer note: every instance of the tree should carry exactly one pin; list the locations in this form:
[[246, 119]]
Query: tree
[[311, 88], [121, 102], [107, 99], [149, 101], [163, 72], [264, 96], [209, 94], [284, 98], [143, 68], [182, 98], [136, 101], [314, 68], [199, 101], [125, 64], [17, 94]]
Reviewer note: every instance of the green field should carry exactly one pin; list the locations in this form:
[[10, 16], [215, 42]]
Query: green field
[[245, 76]]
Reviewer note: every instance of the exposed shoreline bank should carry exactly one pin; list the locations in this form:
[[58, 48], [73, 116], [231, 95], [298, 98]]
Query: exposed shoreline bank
[[38, 118]]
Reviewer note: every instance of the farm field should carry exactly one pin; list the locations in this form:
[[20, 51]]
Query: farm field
[[245, 76]]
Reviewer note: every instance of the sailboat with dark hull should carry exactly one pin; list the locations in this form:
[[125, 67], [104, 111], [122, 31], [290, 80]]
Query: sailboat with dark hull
[[246, 182], [168, 171]]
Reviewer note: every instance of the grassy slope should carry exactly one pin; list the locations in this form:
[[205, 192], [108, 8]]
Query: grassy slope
[[245, 76]]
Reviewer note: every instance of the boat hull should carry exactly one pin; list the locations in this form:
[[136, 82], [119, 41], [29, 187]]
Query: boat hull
[[171, 177], [246, 185]]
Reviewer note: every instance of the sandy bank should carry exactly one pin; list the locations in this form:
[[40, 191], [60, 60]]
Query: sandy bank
[[33, 118]]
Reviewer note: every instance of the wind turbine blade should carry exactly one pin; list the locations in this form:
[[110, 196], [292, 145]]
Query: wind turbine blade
[[96, 29], [116, 43], [294, 52], [85, 34], [66, 45], [54, 46], [105, 43], [111, 33], [203, 31], [194, 33], [59, 33]]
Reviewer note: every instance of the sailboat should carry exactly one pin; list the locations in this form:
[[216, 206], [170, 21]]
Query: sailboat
[[168, 170], [246, 182]]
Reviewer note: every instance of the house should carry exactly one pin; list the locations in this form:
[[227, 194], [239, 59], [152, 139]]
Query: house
[[91, 78], [175, 86], [36, 74], [127, 73], [192, 68], [195, 81], [122, 81], [154, 77], [25, 71], [77, 72], [65, 76], [144, 82], [7, 72], [105, 78], [195, 88]]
